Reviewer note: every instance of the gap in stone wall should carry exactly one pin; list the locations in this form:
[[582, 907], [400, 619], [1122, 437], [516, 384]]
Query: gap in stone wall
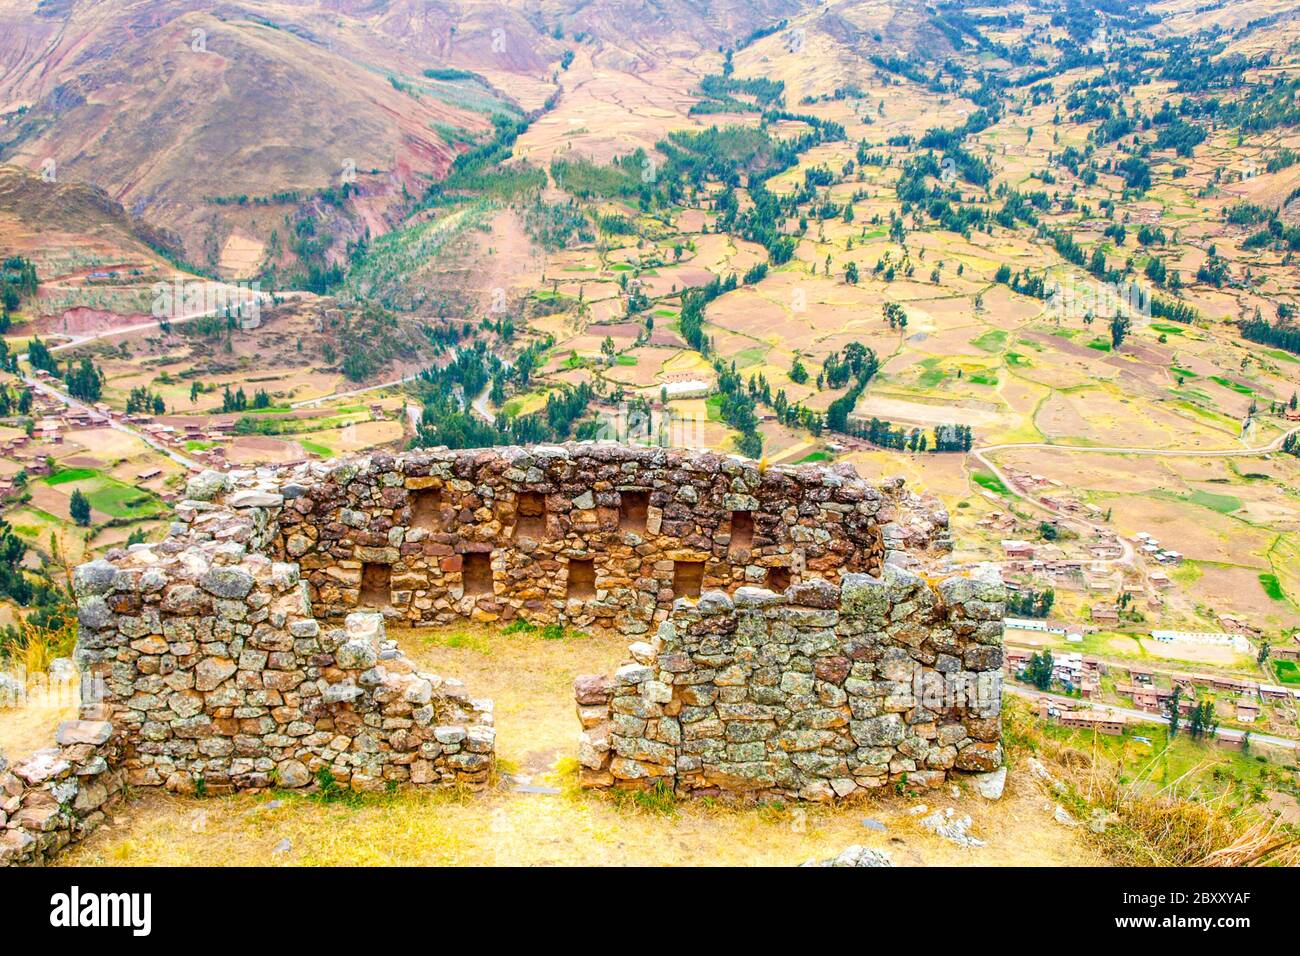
[[476, 572], [426, 509], [742, 532], [633, 510], [688, 578], [376, 590], [778, 579], [582, 578], [530, 516]]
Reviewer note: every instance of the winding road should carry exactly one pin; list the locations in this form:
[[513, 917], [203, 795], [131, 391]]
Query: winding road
[[149, 440], [70, 402]]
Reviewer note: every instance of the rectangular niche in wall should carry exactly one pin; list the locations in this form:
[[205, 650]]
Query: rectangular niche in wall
[[633, 507], [582, 578], [530, 515], [426, 509], [375, 589], [688, 578], [476, 572], [742, 532], [778, 579]]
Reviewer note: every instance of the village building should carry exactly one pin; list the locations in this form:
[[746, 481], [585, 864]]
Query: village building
[[1104, 613]]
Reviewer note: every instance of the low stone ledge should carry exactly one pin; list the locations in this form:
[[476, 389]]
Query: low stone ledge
[[58, 796]]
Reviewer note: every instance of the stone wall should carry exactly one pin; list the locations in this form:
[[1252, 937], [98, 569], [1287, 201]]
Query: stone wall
[[58, 796], [813, 694], [218, 678], [592, 535], [247, 649]]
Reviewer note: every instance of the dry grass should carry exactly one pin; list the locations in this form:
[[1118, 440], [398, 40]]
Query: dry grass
[[505, 828], [1136, 820], [31, 726], [529, 677]]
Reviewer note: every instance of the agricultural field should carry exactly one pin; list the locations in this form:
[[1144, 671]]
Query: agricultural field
[[1037, 259], [1055, 271]]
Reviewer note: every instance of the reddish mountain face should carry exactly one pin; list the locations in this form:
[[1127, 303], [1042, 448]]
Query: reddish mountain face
[[223, 125]]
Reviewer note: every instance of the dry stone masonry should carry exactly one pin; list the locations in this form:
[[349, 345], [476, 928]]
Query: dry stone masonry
[[55, 797], [814, 694], [591, 535], [219, 678], [787, 638]]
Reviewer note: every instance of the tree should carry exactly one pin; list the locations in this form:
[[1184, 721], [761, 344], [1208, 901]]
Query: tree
[[798, 373], [79, 508], [851, 273], [1119, 327], [1265, 648], [894, 315], [1175, 715], [1203, 720], [1039, 670], [85, 381]]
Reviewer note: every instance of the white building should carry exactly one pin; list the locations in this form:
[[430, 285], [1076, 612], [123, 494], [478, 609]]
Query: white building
[[1208, 638]]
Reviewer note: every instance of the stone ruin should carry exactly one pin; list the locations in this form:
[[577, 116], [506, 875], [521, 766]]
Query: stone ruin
[[813, 694], [788, 637]]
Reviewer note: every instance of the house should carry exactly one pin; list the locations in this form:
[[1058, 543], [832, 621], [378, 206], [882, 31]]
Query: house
[[1105, 550], [1101, 723], [1229, 739], [1247, 710], [1185, 701], [1287, 650], [1018, 550], [1273, 692], [1229, 685], [1144, 698], [1015, 660], [1105, 613], [1206, 638], [1033, 624]]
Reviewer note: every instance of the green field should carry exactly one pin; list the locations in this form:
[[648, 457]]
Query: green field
[[991, 483], [70, 474], [109, 496], [991, 341], [316, 448], [122, 501], [1272, 587]]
